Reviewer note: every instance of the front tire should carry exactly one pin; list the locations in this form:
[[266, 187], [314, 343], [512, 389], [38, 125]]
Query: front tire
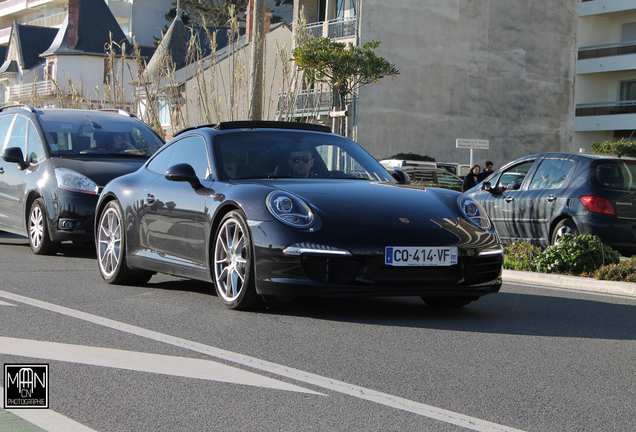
[[566, 226], [39, 238], [111, 248], [233, 263]]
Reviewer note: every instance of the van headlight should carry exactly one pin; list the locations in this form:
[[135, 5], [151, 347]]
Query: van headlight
[[74, 181]]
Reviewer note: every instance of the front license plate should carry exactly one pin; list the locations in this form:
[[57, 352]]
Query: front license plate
[[420, 256]]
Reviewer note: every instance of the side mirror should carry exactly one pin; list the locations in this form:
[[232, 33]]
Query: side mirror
[[401, 177], [14, 155], [486, 186], [183, 173]]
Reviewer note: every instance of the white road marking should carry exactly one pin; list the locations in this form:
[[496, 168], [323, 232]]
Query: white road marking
[[5, 304], [425, 410], [142, 362], [48, 419]]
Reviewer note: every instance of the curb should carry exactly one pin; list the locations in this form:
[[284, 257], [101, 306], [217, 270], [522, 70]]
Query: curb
[[571, 282]]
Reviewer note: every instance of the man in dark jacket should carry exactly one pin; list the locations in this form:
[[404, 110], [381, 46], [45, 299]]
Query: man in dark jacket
[[488, 168]]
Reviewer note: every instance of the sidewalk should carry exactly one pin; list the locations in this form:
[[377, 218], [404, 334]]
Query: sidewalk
[[570, 282]]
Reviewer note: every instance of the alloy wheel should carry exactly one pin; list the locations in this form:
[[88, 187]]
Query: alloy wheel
[[109, 246], [230, 261], [36, 226]]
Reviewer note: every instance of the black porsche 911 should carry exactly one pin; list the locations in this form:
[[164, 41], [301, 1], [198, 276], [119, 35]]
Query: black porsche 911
[[268, 210]]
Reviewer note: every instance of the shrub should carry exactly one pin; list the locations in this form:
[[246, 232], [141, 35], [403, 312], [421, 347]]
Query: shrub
[[627, 147], [624, 271], [520, 256], [575, 255]]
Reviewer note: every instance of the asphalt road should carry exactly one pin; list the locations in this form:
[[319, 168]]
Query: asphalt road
[[168, 356]]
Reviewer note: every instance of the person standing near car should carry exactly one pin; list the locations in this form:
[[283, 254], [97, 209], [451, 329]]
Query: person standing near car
[[472, 178], [488, 169]]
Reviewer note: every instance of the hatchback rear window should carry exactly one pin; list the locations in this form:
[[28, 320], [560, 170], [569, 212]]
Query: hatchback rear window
[[620, 175]]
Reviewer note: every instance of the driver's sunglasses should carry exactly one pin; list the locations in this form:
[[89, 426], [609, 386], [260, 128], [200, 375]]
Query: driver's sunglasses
[[297, 159]]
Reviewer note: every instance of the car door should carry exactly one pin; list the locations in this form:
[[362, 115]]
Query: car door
[[500, 202], [12, 174], [175, 216], [536, 205]]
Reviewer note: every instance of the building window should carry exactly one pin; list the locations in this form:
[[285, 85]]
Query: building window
[[628, 32], [628, 91]]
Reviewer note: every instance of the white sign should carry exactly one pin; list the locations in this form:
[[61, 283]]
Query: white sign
[[464, 143], [481, 144]]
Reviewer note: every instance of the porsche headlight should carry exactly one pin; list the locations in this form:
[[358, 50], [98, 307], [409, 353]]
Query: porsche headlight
[[289, 209], [473, 211], [72, 180]]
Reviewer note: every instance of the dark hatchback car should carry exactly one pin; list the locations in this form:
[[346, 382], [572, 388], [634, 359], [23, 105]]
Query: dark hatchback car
[[539, 198], [227, 204], [54, 165]]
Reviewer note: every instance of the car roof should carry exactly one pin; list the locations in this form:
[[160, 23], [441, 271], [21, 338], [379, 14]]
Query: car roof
[[578, 155], [258, 124]]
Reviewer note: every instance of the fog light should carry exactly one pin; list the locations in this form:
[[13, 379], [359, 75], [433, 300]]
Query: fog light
[[66, 224]]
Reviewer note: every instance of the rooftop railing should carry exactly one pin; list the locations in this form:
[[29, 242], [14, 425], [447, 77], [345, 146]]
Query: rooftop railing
[[304, 103]]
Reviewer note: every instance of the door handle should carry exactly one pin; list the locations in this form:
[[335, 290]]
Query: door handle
[[509, 199], [1, 170], [150, 199], [551, 198]]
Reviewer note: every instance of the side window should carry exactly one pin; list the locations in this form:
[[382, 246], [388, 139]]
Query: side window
[[17, 137], [551, 174], [159, 163], [34, 146], [5, 124], [192, 150], [513, 177]]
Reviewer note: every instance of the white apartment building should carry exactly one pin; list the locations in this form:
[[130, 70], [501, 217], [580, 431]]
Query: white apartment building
[[605, 84], [142, 19]]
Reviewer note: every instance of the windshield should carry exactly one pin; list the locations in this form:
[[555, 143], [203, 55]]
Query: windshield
[[93, 133], [277, 154]]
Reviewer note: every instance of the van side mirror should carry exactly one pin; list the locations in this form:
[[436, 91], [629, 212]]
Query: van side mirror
[[14, 155]]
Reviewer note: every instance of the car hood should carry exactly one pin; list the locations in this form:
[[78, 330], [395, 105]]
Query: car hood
[[371, 204], [101, 171]]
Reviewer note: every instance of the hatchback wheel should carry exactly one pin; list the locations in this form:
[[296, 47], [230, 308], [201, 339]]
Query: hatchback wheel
[[111, 249], [566, 226], [233, 263], [39, 238]]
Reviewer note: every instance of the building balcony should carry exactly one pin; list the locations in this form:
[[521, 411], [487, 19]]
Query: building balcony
[[304, 104], [335, 29], [606, 7], [47, 88], [20, 7], [606, 116], [606, 58]]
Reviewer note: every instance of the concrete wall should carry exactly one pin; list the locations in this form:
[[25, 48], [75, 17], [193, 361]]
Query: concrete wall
[[491, 69]]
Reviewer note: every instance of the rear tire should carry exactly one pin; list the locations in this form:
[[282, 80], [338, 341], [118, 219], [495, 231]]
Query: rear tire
[[448, 302], [566, 226], [39, 238], [111, 249]]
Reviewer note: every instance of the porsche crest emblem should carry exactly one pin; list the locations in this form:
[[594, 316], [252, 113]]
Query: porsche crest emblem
[[404, 220]]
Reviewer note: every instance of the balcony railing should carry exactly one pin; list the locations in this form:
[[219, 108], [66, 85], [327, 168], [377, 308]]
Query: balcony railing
[[605, 108], [8, 4], [49, 21], [41, 88], [342, 28], [339, 28], [607, 50], [304, 103]]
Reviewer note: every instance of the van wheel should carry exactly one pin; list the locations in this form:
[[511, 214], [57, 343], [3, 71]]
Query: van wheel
[[39, 239]]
